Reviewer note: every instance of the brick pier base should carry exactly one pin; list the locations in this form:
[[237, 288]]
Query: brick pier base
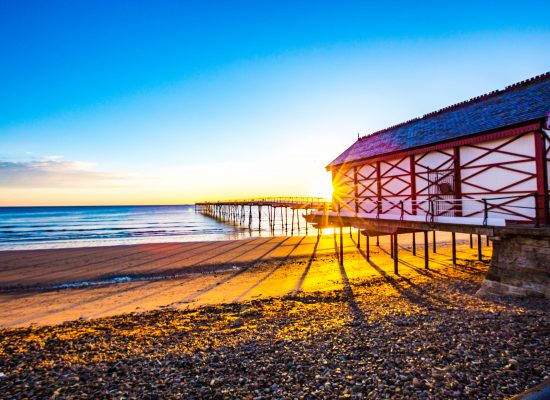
[[520, 265]]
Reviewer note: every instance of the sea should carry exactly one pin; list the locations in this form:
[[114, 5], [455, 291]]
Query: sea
[[24, 228]]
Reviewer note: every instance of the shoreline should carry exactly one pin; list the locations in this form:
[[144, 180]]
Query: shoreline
[[189, 275]]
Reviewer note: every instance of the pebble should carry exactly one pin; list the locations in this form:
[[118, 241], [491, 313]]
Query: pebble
[[420, 337]]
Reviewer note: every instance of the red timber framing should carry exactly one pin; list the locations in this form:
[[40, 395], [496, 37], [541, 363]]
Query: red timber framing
[[412, 172], [457, 181], [518, 168], [395, 185], [474, 165], [542, 156]]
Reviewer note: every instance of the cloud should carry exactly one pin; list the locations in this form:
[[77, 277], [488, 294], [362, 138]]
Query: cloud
[[54, 172]]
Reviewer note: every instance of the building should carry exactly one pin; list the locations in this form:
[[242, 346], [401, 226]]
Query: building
[[482, 161], [479, 167]]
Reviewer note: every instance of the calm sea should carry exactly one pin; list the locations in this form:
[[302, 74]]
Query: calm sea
[[59, 227]]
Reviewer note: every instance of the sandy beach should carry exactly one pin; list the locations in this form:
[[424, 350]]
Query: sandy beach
[[286, 322], [186, 275]]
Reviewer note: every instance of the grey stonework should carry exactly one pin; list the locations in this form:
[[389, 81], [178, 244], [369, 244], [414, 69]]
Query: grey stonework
[[520, 265]]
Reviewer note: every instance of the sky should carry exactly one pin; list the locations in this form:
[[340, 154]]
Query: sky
[[172, 102]]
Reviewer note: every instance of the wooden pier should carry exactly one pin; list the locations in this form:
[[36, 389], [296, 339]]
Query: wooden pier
[[242, 212]]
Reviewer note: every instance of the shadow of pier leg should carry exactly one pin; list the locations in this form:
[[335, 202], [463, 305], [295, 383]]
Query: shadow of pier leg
[[300, 283]]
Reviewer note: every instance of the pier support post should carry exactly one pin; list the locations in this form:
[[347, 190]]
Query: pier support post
[[471, 241], [479, 254], [395, 256], [453, 246], [341, 246], [359, 238], [434, 242], [259, 217], [426, 247], [391, 246], [368, 247], [414, 243]]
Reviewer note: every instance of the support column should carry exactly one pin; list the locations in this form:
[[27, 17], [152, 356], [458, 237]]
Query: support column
[[542, 178], [426, 255], [516, 268], [391, 246], [359, 238], [341, 246], [434, 242], [414, 243], [453, 244], [479, 255], [395, 256]]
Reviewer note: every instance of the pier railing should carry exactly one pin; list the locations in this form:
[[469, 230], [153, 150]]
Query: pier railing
[[531, 208], [275, 201]]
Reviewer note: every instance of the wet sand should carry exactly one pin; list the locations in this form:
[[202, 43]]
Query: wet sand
[[183, 275]]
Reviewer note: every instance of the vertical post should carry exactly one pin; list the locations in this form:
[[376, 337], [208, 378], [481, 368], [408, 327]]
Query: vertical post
[[368, 247], [479, 255], [457, 206], [471, 241], [453, 245], [434, 243], [350, 232], [341, 245], [426, 255], [541, 160], [359, 238], [259, 217], [341, 236], [292, 223], [414, 243], [395, 256], [378, 241], [412, 171], [391, 246], [487, 239], [305, 223]]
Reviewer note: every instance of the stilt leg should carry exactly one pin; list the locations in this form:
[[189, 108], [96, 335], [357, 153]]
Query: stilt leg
[[414, 244], [453, 245], [341, 246], [426, 255], [479, 255], [395, 256], [434, 242], [368, 247]]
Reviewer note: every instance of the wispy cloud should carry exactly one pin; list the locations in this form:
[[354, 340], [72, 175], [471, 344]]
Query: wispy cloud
[[54, 172]]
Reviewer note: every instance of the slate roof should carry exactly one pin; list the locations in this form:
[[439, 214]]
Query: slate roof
[[518, 103]]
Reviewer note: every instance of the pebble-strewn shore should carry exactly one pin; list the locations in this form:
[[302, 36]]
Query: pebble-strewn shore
[[423, 337]]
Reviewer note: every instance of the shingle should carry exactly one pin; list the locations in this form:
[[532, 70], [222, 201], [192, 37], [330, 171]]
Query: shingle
[[524, 101]]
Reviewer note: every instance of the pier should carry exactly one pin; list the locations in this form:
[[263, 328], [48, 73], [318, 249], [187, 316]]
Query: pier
[[271, 210]]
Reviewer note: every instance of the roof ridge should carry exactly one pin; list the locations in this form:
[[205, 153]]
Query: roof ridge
[[508, 88]]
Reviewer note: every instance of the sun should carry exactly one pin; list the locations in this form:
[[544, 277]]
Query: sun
[[322, 187]]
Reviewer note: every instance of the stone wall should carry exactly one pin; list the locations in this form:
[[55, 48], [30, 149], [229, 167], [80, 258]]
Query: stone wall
[[521, 263]]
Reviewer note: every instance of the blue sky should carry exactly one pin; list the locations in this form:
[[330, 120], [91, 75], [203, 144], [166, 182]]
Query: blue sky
[[171, 102]]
